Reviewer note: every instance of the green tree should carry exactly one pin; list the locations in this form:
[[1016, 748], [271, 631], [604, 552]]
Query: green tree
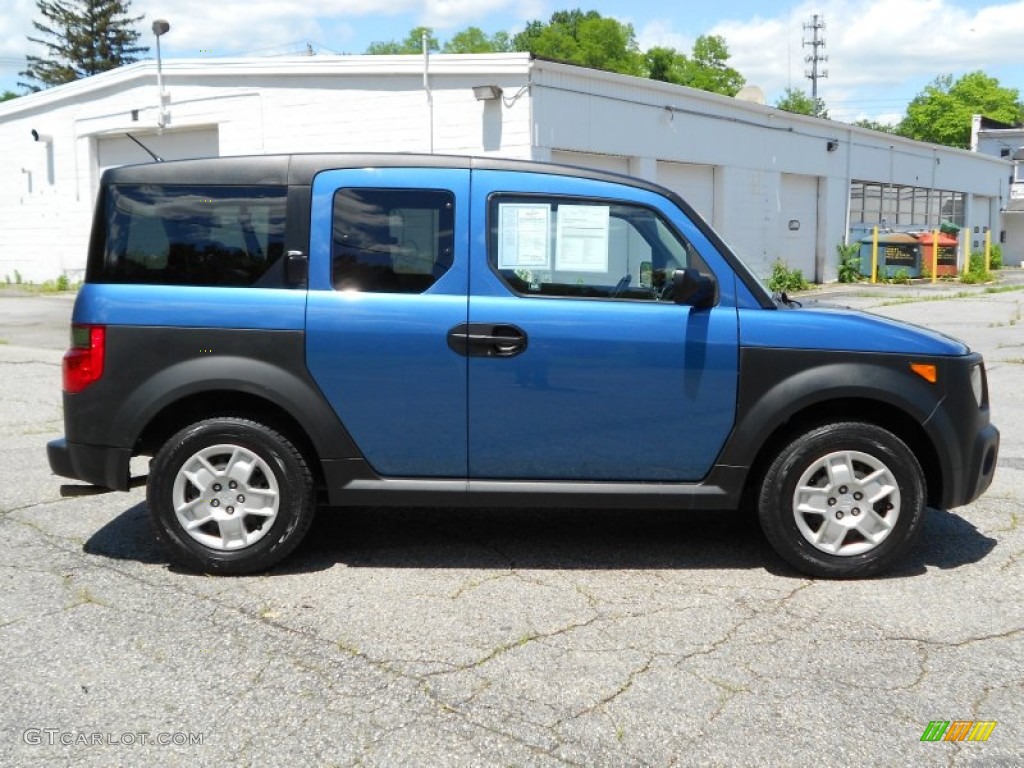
[[665, 64], [709, 68], [941, 113], [81, 38], [587, 39], [413, 43], [475, 40], [874, 125], [706, 68], [8, 95], [798, 102]]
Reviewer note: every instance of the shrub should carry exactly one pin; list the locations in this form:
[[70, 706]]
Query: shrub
[[995, 260], [902, 277], [784, 280], [849, 262], [63, 284], [975, 270]]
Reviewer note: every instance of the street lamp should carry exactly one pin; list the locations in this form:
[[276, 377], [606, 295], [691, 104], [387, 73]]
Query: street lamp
[[160, 27]]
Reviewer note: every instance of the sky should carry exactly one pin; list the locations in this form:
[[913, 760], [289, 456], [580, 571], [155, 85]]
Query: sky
[[881, 53]]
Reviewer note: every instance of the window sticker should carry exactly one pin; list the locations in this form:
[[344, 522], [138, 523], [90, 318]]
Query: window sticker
[[583, 238], [524, 236]]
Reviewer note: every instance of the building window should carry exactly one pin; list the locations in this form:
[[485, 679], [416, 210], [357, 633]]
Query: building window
[[904, 207]]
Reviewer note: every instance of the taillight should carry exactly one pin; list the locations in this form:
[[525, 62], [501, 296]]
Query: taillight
[[83, 363]]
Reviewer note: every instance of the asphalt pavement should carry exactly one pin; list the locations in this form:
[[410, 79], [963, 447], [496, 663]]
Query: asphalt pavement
[[505, 637]]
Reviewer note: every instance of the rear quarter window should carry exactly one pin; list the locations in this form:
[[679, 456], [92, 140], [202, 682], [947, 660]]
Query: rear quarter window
[[190, 235]]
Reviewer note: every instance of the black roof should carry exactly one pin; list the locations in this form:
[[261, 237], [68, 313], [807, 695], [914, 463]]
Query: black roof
[[299, 169]]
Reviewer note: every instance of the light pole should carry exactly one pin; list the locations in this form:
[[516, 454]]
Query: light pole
[[160, 27]]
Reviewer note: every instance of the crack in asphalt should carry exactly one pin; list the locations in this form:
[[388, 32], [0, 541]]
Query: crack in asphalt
[[12, 510]]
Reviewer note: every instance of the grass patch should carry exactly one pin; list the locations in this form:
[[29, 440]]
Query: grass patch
[[60, 284], [947, 296]]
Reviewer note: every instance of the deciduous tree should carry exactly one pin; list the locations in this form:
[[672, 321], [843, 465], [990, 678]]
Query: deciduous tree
[[875, 125], [582, 38], [942, 112], [475, 40], [798, 102], [706, 68], [413, 43]]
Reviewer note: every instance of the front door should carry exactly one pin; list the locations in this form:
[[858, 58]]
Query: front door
[[587, 370]]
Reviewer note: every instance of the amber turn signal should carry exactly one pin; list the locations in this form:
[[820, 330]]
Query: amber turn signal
[[926, 371]]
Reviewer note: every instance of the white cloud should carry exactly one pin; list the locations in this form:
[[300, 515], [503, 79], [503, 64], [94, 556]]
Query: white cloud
[[454, 15], [880, 53], [660, 32]]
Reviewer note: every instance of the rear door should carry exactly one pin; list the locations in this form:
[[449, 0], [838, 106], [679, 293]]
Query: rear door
[[582, 367], [388, 281]]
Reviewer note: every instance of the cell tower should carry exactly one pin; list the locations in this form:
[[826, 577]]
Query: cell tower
[[816, 27]]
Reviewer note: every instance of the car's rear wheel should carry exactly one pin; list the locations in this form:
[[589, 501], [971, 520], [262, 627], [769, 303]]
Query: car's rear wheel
[[844, 500], [230, 495]]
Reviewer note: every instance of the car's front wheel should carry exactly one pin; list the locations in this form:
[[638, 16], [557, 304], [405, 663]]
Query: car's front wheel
[[844, 500], [229, 495]]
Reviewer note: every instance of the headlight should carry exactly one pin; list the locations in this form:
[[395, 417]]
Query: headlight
[[977, 383]]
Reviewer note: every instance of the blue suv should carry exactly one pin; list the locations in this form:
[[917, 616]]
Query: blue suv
[[280, 332]]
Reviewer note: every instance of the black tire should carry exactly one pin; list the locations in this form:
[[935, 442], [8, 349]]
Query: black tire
[[855, 538], [232, 533]]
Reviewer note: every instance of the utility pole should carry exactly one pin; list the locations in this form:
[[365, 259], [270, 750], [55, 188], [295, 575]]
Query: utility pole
[[816, 42]]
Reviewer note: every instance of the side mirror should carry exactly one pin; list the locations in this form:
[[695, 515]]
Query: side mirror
[[691, 287], [296, 269]]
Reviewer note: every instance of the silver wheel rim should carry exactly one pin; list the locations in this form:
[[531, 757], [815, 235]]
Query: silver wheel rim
[[225, 497], [846, 503]]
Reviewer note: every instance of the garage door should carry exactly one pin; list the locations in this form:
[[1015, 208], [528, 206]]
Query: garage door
[[696, 184], [112, 151], [797, 233], [613, 163]]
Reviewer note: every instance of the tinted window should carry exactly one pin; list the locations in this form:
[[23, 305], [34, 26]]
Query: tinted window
[[391, 240], [192, 235], [585, 248]]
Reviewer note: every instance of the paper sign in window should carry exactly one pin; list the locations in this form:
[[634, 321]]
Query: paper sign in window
[[582, 238], [524, 236]]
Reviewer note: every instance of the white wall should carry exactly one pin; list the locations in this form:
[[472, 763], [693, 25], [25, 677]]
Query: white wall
[[757, 154], [731, 158], [325, 104]]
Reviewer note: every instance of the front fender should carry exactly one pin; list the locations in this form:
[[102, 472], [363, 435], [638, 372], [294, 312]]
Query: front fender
[[776, 385]]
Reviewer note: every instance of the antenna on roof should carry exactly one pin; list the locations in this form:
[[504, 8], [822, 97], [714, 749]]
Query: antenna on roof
[[149, 152]]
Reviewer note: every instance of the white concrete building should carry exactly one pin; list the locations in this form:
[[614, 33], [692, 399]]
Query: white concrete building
[[1006, 142], [776, 185]]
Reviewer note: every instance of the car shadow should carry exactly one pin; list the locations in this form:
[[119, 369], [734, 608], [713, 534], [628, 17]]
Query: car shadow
[[947, 541], [127, 537], [566, 539]]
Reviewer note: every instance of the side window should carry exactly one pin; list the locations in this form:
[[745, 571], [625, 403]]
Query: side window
[[391, 240], [585, 248], [191, 235]]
